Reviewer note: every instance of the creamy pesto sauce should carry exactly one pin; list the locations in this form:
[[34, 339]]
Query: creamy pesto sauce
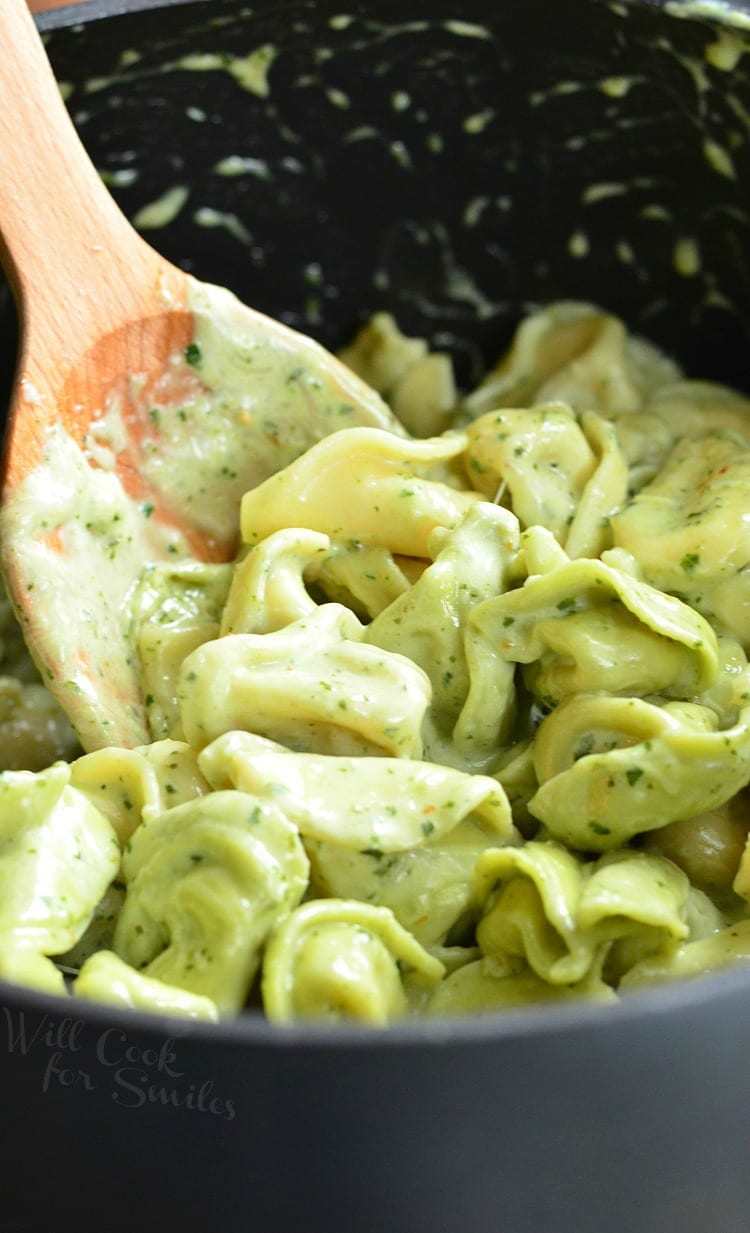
[[479, 121], [725, 45], [726, 51], [579, 244], [68, 520], [250, 71], [236, 165], [222, 220], [718, 157], [163, 210], [337, 98], [120, 177], [601, 191], [654, 210], [686, 257], [618, 87], [459, 288], [468, 30], [257, 396], [267, 395], [715, 10]]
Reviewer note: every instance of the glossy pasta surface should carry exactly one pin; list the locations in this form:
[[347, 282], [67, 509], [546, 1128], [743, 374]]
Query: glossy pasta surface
[[465, 726]]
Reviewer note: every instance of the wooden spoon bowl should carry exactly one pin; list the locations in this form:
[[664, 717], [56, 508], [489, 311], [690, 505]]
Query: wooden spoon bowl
[[95, 487]]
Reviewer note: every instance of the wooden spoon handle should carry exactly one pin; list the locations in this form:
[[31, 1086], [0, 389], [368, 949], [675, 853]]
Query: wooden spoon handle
[[79, 272], [63, 241]]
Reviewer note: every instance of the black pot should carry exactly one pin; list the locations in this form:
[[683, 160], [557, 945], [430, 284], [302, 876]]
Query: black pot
[[550, 148]]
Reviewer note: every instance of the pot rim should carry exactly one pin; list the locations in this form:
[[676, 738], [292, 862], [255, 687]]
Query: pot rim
[[532, 1022], [84, 11]]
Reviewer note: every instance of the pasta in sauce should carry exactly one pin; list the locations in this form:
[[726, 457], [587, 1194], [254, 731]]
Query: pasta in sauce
[[465, 726]]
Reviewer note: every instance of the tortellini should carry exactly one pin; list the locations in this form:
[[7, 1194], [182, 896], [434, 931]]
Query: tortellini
[[572, 352], [418, 384], [380, 805], [268, 589], [465, 725], [690, 528], [383, 492], [489, 984], [206, 883], [314, 684], [58, 854], [587, 625], [428, 887], [692, 958], [339, 960], [612, 768], [556, 473], [472, 704], [176, 608], [104, 977], [132, 785], [559, 913], [541, 455]]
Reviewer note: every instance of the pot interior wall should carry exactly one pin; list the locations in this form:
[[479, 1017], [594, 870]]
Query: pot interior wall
[[454, 163]]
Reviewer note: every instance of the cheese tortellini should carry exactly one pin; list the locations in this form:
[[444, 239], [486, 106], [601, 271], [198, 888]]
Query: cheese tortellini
[[464, 726]]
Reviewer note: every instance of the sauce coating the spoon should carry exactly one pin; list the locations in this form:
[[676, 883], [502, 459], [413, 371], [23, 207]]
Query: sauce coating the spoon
[[244, 398], [145, 404]]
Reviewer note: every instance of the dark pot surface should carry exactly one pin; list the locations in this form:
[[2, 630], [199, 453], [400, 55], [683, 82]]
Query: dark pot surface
[[527, 167], [628, 1118]]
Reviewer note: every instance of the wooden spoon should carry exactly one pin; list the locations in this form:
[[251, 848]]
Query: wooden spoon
[[145, 402]]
